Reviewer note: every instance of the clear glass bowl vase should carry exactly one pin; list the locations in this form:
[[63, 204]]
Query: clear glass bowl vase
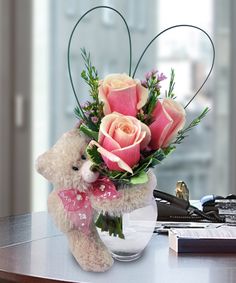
[[137, 227]]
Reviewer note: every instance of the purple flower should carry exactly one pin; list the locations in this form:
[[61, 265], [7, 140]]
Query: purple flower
[[85, 104], [148, 75], [153, 78], [94, 119], [87, 113], [154, 71], [161, 77], [144, 83]]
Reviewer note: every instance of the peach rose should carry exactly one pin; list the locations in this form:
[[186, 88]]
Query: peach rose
[[120, 93], [169, 118], [120, 140]]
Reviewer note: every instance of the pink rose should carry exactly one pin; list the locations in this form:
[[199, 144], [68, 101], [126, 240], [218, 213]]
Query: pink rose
[[169, 118], [120, 93], [120, 140]]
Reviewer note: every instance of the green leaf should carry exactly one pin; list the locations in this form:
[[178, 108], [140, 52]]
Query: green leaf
[[183, 133], [94, 155], [93, 109], [78, 112], [170, 93], [141, 178], [90, 133]]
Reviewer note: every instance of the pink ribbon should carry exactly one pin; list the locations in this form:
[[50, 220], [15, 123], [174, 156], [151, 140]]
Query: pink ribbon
[[78, 206]]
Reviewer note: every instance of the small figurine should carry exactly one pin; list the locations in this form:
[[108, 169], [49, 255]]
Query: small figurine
[[182, 191]]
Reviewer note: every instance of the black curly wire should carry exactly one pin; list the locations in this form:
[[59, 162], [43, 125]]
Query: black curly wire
[[178, 26], [70, 40], [130, 50]]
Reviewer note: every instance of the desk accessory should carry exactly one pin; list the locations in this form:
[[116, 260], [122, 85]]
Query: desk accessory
[[182, 191], [207, 240], [101, 170], [172, 208], [224, 206]]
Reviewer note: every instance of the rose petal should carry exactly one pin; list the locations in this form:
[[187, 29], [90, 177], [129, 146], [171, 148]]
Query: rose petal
[[105, 126], [118, 81], [103, 98], [177, 113], [118, 122], [123, 137], [147, 138], [136, 125], [123, 100], [123, 94], [142, 95], [130, 155], [109, 144], [111, 159], [160, 127], [109, 126]]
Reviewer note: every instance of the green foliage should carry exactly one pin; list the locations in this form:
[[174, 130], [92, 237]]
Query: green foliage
[[111, 224], [90, 74], [139, 171], [90, 133], [94, 155], [154, 158], [183, 133], [94, 109], [79, 113], [152, 84], [141, 178], [170, 93], [152, 101]]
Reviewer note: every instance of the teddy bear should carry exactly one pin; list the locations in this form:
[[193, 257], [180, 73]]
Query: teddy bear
[[74, 203]]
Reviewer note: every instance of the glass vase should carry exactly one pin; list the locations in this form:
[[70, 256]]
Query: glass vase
[[137, 228]]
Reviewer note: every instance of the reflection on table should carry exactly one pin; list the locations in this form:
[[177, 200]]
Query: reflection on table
[[33, 250]]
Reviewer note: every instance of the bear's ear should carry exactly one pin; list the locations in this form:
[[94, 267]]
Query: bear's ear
[[75, 132], [43, 163], [67, 151]]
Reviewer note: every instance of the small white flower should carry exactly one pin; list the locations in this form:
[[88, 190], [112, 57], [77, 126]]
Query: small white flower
[[79, 197], [82, 216], [102, 187]]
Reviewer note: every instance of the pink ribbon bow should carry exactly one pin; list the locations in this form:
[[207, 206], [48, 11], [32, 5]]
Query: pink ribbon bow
[[78, 206]]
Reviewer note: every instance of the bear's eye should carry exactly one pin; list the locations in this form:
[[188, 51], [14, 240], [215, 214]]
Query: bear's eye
[[75, 168], [83, 157]]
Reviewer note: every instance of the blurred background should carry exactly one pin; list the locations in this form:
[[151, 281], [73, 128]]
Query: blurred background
[[36, 100]]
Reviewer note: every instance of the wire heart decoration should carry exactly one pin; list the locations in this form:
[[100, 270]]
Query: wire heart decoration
[[143, 53]]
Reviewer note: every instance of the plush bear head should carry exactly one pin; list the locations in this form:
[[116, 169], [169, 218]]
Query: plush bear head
[[65, 164]]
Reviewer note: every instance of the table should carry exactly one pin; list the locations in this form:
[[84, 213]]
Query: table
[[33, 250]]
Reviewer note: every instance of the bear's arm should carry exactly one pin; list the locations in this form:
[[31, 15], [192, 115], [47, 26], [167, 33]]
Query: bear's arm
[[131, 198]]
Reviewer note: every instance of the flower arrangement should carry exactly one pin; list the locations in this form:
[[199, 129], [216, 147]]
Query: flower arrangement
[[100, 170], [132, 127]]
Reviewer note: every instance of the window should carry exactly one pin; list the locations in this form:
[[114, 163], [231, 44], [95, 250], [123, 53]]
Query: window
[[107, 14], [199, 160], [203, 159]]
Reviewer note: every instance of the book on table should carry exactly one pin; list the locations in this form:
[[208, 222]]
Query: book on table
[[203, 240]]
